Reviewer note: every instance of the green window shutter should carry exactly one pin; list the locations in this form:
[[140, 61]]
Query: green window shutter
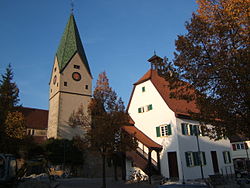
[[169, 129], [183, 130], [143, 89], [224, 157], [229, 157], [203, 131], [196, 158], [158, 133], [187, 159], [195, 130], [204, 158], [139, 110], [150, 107], [191, 129]]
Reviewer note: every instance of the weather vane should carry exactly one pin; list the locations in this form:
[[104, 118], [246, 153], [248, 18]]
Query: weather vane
[[72, 6]]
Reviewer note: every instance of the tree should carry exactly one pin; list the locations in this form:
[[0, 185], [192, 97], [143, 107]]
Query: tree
[[9, 98], [103, 130], [213, 57], [15, 125], [9, 94]]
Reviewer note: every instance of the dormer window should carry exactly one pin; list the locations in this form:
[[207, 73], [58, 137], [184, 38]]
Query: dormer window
[[77, 66]]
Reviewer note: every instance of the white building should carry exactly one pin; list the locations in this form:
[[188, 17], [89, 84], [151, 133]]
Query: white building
[[240, 153], [167, 126]]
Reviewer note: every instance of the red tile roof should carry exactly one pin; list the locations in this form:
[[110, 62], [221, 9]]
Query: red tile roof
[[35, 118], [179, 106], [132, 130]]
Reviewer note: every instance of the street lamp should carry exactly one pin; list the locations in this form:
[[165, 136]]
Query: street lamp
[[197, 132]]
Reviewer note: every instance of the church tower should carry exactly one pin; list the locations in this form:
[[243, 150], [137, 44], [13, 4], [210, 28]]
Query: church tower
[[70, 83]]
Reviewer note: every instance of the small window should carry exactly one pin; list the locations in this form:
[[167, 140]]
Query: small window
[[184, 128], [32, 132], [242, 146], [57, 84], [141, 110], [86, 87], [163, 130], [55, 69], [227, 157], [51, 91], [189, 159], [77, 66], [238, 146], [191, 129], [65, 83], [143, 89], [195, 158], [150, 107]]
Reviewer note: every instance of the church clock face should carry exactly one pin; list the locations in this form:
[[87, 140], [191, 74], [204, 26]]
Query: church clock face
[[76, 76]]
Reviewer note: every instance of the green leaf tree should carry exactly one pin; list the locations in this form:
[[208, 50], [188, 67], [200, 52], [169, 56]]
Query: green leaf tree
[[213, 57], [103, 130]]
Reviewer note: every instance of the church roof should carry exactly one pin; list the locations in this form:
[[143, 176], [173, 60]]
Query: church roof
[[179, 106], [70, 44]]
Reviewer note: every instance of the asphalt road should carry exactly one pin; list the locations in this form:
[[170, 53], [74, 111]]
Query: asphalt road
[[97, 183]]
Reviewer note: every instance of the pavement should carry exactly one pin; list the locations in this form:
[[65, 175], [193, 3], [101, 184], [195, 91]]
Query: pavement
[[111, 183], [97, 183]]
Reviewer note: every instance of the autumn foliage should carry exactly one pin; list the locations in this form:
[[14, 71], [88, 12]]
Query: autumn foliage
[[15, 125], [106, 115], [213, 57]]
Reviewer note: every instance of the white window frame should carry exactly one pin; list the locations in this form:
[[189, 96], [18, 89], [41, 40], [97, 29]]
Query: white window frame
[[190, 158]]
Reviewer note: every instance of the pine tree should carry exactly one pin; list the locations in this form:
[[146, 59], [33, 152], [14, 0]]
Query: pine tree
[[9, 98], [9, 94]]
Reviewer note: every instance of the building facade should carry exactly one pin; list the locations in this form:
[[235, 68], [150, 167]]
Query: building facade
[[70, 84], [241, 153], [186, 152], [36, 123]]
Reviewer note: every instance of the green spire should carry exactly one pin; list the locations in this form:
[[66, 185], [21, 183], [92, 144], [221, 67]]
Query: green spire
[[70, 44]]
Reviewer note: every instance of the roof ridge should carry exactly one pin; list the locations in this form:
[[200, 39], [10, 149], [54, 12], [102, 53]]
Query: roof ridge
[[33, 108]]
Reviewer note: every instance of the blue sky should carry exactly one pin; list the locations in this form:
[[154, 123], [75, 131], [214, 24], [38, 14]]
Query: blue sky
[[118, 37]]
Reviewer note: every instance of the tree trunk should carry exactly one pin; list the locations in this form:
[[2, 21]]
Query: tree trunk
[[103, 171], [115, 167], [123, 159]]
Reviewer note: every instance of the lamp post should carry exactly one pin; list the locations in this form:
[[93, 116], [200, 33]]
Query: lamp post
[[197, 132], [246, 148]]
